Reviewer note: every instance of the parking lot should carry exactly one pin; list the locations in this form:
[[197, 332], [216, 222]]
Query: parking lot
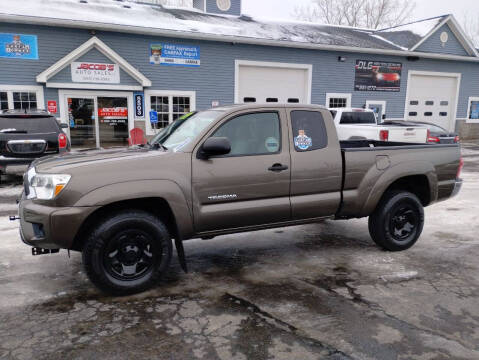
[[321, 291]]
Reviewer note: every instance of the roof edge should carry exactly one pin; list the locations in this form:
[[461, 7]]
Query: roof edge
[[221, 38]]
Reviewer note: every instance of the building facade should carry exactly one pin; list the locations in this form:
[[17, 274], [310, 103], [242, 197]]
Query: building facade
[[105, 76]]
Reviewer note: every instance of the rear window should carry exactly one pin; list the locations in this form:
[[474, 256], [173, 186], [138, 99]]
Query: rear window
[[28, 125], [358, 118]]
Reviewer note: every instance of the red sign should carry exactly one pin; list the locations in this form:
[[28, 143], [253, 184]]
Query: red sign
[[52, 106], [93, 66], [117, 112]]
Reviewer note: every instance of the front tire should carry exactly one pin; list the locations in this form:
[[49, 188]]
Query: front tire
[[397, 222], [127, 252]]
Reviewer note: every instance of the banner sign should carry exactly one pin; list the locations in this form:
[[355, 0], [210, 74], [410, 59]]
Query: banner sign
[[95, 73], [377, 76], [52, 106], [113, 113], [175, 54], [19, 46], [139, 104]]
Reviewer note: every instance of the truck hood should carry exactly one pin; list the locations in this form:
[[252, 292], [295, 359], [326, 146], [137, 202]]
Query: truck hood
[[66, 162]]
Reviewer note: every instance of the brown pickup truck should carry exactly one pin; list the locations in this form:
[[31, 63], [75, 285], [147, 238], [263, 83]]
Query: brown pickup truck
[[226, 170]]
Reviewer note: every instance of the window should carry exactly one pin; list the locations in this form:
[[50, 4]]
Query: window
[[249, 99], [358, 117], [160, 104], [21, 97], [252, 134], [429, 103], [338, 102], [335, 100], [272, 100], [428, 113], [444, 103], [443, 113], [309, 131], [3, 100], [473, 110], [414, 102], [293, 100], [170, 105], [413, 113], [181, 106]]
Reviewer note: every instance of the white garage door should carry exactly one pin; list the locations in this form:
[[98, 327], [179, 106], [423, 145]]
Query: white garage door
[[270, 83], [432, 98]]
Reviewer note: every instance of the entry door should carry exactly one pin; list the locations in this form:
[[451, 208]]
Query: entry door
[[249, 186], [378, 108], [113, 121], [82, 122]]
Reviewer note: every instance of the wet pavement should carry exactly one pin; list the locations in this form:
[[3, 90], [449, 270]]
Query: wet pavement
[[321, 291]]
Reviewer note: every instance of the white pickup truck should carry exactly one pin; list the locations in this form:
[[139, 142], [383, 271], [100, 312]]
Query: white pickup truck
[[356, 123]]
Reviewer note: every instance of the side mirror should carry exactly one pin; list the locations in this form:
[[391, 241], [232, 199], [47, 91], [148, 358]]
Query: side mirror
[[215, 146], [64, 126]]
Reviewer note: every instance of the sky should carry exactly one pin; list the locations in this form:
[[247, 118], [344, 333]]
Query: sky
[[282, 9]]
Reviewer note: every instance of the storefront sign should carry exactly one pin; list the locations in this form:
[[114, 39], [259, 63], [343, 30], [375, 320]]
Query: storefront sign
[[139, 105], [95, 73], [18, 46], [52, 106], [175, 54], [377, 76], [113, 113]]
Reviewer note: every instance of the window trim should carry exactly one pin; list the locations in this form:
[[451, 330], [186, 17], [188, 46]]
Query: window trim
[[10, 89], [170, 94], [234, 116], [347, 96], [470, 100]]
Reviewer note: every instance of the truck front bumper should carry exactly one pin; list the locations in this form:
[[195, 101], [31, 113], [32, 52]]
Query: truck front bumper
[[50, 227]]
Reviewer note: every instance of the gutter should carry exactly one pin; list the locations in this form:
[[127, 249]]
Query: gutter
[[89, 25]]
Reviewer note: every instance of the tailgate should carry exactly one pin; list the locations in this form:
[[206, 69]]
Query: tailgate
[[28, 145], [408, 134]]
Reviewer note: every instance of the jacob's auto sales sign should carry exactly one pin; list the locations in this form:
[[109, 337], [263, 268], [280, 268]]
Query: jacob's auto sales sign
[[90, 72], [113, 113]]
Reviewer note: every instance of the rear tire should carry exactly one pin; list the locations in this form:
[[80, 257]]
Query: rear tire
[[127, 252], [397, 222]]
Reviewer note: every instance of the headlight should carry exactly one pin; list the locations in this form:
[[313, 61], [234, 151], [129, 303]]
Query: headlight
[[45, 186]]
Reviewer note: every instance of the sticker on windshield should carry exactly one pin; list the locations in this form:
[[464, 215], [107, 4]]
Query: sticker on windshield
[[302, 141], [272, 144]]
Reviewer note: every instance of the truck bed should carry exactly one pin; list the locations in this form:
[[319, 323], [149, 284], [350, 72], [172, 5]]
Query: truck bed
[[369, 167]]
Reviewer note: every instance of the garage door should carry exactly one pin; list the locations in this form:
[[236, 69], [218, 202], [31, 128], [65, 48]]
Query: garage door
[[273, 83], [432, 99]]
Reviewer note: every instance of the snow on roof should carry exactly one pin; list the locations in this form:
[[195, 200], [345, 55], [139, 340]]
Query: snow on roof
[[147, 16], [408, 35]]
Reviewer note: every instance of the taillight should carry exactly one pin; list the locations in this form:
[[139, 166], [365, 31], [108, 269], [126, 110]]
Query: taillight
[[457, 139], [461, 165], [384, 135], [433, 139], [62, 141]]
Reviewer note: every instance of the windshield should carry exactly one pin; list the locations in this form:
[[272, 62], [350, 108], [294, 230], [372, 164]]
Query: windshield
[[28, 124], [366, 117], [182, 131]]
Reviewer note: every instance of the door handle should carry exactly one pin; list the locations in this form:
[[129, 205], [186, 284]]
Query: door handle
[[278, 168]]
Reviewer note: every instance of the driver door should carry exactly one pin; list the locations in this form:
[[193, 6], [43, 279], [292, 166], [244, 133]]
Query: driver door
[[249, 186]]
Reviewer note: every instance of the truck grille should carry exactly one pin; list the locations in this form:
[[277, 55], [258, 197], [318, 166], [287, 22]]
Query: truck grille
[[27, 146]]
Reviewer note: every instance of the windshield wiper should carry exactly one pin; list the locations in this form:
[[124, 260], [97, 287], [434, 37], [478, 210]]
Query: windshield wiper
[[158, 145]]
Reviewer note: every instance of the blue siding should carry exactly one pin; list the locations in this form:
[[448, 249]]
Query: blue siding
[[451, 47], [65, 76], [212, 8], [214, 79]]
